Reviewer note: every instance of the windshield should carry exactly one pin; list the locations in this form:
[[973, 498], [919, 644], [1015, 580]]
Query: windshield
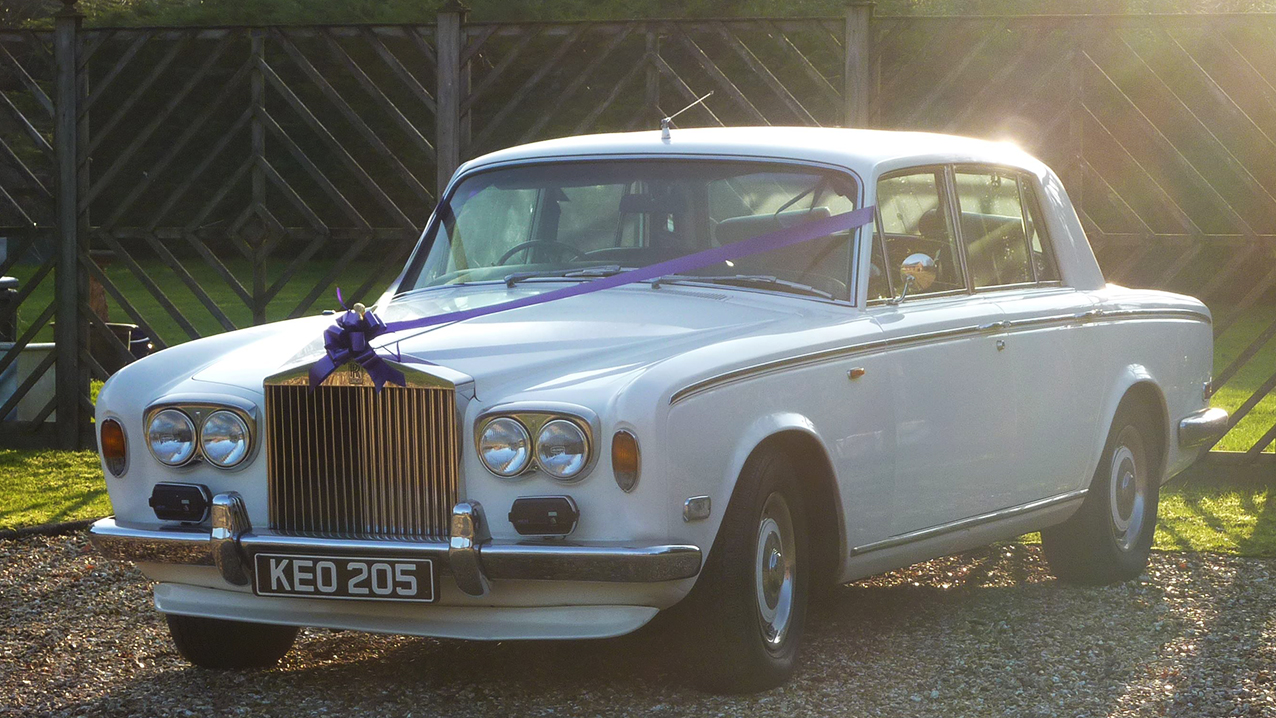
[[580, 220]]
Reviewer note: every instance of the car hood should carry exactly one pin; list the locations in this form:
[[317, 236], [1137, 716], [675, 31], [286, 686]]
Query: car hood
[[607, 333]]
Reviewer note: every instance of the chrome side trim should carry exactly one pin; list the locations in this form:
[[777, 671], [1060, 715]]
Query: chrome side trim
[[612, 563], [799, 360], [1204, 426], [971, 522]]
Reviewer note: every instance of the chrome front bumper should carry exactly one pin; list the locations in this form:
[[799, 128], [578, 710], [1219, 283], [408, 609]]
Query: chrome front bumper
[[471, 557], [1202, 427]]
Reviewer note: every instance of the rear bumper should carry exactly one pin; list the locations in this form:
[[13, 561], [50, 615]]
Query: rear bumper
[[469, 557], [1203, 427]]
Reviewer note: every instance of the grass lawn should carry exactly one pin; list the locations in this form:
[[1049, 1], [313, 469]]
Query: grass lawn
[[39, 487]]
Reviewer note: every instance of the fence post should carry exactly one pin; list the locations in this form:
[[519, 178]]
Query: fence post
[[859, 56], [257, 94], [69, 334], [448, 42]]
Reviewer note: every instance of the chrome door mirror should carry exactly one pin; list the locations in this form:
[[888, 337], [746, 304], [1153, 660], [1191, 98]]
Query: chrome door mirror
[[917, 271]]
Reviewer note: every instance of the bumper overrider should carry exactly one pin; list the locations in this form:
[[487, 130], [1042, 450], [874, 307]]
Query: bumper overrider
[[1206, 426], [470, 556]]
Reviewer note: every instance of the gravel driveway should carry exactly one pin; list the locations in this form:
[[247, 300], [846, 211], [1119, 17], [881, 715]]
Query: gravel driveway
[[988, 633]]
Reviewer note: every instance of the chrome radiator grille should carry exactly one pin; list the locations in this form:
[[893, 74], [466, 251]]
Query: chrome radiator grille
[[345, 461]]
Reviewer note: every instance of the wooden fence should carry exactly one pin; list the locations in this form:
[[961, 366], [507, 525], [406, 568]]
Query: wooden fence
[[195, 180]]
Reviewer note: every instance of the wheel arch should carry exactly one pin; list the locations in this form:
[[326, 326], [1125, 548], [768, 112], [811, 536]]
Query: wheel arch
[[796, 437], [1137, 384]]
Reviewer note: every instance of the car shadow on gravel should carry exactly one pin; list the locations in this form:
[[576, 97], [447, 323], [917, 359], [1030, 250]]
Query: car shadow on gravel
[[988, 632]]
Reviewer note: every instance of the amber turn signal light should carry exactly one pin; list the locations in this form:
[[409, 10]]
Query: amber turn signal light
[[624, 460], [113, 446]]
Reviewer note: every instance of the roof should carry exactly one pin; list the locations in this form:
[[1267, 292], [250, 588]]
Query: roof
[[865, 151]]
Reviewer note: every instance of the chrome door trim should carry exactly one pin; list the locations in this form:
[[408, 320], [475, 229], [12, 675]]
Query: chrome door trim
[[967, 523]]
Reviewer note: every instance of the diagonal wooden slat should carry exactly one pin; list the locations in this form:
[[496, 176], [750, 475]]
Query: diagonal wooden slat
[[517, 98], [1242, 259], [158, 69], [406, 78], [1088, 171], [193, 285], [32, 86], [1223, 152], [417, 36], [315, 174], [177, 193], [498, 70], [4, 193], [1166, 199], [563, 98], [587, 123], [102, 86], [14, 352], [290, 194], [717, 74], [1163, 143], [144, 135], [787, 47], [760, 69], [94, 40], [149, 284], [388, 108], [354, 119], [1251, 298], [30, 177], [476, 41], [36, 375], [28, 129], [955, 71], [996, 84], [123, 301], [687, 93], [308, 117]]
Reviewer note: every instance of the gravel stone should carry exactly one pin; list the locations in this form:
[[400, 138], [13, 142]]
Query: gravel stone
[[989, 633]]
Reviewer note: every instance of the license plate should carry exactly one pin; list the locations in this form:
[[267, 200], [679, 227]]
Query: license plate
[[344, 577]]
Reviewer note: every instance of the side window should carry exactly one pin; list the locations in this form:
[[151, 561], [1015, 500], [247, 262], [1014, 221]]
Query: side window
[[915, 219], [994, 227], [1038, 242]]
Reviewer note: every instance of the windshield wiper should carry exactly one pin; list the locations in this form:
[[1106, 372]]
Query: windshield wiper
[[586, 273], [748, 281]]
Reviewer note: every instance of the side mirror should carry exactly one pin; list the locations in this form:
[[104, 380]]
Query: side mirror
[[916, 271]]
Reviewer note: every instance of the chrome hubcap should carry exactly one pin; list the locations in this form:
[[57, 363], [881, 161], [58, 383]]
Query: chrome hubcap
[[1127, 494], [775, 570]]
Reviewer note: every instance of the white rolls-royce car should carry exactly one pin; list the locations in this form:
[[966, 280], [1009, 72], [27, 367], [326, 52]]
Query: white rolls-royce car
[[707, 373]]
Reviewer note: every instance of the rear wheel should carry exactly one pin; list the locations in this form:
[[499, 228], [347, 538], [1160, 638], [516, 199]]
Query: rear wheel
[[745, 617], [220, 644], [1110, 536]]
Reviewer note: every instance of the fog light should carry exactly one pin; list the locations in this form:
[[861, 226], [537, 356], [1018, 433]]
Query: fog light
[[544, 515], [625, 461], [114, 448], [187, 503]]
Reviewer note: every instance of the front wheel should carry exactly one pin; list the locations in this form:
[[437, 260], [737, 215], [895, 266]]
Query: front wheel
[[749, 606], [1110, 537], [220, 644]]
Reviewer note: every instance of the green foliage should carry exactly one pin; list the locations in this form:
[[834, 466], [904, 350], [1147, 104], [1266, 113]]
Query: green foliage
[[39, 487], [103, 13]]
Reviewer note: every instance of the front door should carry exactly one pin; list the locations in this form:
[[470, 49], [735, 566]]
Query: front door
[[946, 361]]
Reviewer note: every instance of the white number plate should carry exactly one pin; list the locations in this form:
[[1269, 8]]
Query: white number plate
[[359, 579]]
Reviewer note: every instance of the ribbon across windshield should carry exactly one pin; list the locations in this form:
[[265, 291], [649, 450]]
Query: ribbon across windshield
[[348, 340]]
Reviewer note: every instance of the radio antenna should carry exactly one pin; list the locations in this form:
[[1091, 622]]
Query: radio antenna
[[664, 124]]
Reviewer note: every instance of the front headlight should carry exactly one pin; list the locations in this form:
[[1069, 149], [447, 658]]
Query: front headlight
[[171, 436], [224, 438], [505, 447], [561, 449]]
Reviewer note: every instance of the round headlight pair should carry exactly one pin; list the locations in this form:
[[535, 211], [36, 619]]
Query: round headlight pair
[[223, 438], [506, 448]]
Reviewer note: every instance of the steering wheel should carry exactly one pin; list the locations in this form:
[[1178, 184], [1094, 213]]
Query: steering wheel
[[523, 246]]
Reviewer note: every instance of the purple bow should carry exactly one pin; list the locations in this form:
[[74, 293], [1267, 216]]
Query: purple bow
[[348, 340]]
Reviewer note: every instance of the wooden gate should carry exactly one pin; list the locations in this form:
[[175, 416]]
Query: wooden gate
[[202, 180]]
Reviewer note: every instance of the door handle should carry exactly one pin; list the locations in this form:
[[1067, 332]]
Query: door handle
[[1000, 326]]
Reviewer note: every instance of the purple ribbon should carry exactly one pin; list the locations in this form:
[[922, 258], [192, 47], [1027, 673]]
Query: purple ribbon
[[348, 339]]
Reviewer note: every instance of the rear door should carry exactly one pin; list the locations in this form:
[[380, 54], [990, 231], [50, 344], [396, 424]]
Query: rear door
[[1044, 345]]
